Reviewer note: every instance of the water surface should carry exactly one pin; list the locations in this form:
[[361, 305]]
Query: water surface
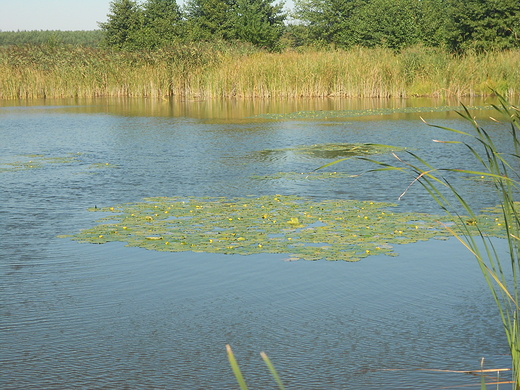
[[108, 316]]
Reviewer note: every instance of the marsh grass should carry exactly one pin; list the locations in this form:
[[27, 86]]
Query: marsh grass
[[204, 70]]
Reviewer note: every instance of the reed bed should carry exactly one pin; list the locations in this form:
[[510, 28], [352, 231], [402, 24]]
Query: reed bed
[[209, 71]]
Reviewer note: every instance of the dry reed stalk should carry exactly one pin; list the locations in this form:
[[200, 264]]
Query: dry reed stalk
[[202, 71]]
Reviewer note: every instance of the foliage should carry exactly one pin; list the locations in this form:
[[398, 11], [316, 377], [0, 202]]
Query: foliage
[[132, 25], [433, 21], [473, 25], [123, 24], [256, 21], [329, 21], [388, 23], [259, 22], [209, 20], [391, 24], [161, 23], [483, 25]]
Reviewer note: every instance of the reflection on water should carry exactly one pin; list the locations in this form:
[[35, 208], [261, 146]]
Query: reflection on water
[[232, 109], [107, 316]]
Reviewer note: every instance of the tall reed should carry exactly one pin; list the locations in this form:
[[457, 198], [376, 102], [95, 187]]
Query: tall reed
[[203, 70], [502, 273]]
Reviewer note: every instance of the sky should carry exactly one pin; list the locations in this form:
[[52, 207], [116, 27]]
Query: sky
[[55, 14], [52, 14]]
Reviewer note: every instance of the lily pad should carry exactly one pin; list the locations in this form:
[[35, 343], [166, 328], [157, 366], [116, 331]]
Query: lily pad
[[330, 151], [34, 161], [304, 176], [367, 112], [305, 229]]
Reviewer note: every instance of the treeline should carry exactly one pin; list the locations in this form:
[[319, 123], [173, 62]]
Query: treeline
[[478, 25], [91, 38], [453, 25]]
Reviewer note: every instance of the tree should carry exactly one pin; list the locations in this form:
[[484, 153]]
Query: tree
[[433, 22], [256, 21], [209, 19], [483, 25], [123, 24], [259, 22], [329, 21], [161, 22], [383, 23], [393, 24]]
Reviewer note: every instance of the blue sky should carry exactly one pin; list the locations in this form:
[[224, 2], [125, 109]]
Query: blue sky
[[54, 14]]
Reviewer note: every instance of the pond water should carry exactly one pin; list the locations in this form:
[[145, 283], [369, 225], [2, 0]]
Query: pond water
[[109, 316]]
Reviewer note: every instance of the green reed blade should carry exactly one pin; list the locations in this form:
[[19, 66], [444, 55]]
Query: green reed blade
[[272, 370], [235, 368]]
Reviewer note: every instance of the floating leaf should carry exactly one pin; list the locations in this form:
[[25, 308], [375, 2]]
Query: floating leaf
[[270, 224], [330, 151], [367, 112], [333, 229]]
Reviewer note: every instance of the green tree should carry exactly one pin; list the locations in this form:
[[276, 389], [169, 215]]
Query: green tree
[[209, 19], [123, 24], [433, 22], [383, 23], [259, 22], [161, 23], [393, 24], [483, 25], [256, 21], [329, 21]]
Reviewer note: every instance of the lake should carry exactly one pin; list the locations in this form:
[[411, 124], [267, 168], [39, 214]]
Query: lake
[[78, 315]]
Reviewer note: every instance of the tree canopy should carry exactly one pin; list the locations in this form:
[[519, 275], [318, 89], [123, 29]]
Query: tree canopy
[[123, 24], [479, 25], [483, 24]]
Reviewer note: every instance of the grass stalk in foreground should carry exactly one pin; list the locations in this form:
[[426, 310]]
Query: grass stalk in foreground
[[501, 272], [235, 368], [238, 373]]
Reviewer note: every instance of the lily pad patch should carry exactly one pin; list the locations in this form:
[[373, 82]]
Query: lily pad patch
[[329, 150], [36, 161], [366, 112], [302, 228]]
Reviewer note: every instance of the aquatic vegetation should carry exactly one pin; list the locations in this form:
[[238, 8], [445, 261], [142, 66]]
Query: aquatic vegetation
[[304, 229], [304, 176], [328, 151], [36, 161], [367, 112], [101, 166]]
